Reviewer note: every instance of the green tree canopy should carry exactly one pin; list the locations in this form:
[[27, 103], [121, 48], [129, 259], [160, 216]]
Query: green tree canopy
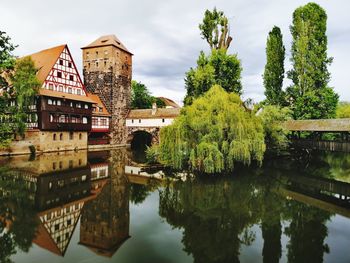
[[274, 68], [141, 97], [215, 29], [219, 68], [25, 86], [212, 134], [310, 96], [343, 110], [7, 62]]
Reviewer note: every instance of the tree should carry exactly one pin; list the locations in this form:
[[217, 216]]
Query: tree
[[275, 135], [212, 134], [219, 68], [25, 86], [7, 62], [274, 68], [310, 96], [141, 97], [343, 110], [215, 29]]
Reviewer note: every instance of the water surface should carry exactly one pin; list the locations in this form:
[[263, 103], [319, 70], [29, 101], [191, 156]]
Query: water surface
[[107, 207]]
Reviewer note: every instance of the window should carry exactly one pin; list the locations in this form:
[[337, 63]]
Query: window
[[60, 165], [96, 53], [163, 120], [80, 159], [96, 64], [50, 185], [139, 121], [70, 163], [54, 165], [83, 178], [60, 88], [71, 77], [62, 119], [49, 101], [89, 65], [50, 86], [85, 120], [59, 103], [132, 121], [71, 136], [94, 121], [100, 109], [70, 90], [61, 136], [86, 106], [52, 118], [103, 122], [69, 222], [78, 105], [69, 64], [54, 137], [61, 62], [105, 63], [71, 104], [78, 91], [59, 74], [57, 227]]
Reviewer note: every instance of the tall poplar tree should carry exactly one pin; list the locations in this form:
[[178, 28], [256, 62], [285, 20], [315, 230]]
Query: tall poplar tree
[[274, 68], [310, 97]]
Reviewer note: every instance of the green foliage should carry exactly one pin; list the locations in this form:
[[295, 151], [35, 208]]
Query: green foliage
[[141, 97], [343, 110], [274, 68], [310, 96], [315, 104], [275, 135], [212, 135], [7, 62], [18, 221], [219, 68], [25, 86], [215, 29]]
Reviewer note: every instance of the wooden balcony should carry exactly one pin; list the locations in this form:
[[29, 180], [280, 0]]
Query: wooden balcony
[[98, 141]]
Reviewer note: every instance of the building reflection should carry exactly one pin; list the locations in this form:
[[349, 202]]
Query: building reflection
[[73, 185], [104, 224]]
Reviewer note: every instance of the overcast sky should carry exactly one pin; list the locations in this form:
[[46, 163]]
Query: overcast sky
[[164, 36]]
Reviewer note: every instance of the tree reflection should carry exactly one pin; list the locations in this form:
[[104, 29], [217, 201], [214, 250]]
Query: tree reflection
[[217, 218], [17, 215]]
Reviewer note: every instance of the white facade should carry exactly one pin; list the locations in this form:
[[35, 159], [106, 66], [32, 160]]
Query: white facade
[[159, 122]]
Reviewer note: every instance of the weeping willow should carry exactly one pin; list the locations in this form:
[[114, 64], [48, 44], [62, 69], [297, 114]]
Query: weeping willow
[[212, 135]]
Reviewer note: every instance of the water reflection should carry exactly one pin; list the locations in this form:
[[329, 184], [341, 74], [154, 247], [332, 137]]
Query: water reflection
[[43, 200]]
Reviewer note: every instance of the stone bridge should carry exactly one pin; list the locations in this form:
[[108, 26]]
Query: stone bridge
[[150, 121]]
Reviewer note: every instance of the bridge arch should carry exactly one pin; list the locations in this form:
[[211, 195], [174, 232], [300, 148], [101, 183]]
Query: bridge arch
[[150, 135]]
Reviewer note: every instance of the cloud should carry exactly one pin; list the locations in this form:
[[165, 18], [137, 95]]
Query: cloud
[[164, 35]]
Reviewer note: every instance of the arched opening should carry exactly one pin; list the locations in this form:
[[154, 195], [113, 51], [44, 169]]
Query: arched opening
[[140, 140]]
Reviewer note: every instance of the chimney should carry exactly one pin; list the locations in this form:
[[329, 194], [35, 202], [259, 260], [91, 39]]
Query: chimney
[[154, 108]]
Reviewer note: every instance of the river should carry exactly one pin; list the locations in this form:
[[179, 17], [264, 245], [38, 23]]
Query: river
[[109, 207]]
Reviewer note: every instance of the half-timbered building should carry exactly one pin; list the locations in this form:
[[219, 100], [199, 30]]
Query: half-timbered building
[[62, 115]]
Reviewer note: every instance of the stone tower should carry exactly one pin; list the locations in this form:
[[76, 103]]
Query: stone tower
[[107, 70]]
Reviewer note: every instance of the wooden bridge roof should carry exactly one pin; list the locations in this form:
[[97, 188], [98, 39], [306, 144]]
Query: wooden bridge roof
[[330, 125]]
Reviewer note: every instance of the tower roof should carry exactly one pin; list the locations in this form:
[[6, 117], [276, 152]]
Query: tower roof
[[108, 40]]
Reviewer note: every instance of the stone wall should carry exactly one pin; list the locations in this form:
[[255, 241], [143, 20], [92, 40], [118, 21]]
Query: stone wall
[[43, 141]]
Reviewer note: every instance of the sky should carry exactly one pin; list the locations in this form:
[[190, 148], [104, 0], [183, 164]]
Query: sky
[[164, 37]]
